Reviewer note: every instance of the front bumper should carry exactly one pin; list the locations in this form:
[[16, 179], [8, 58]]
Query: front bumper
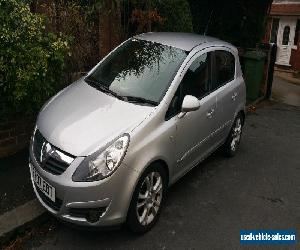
[[109, 197]]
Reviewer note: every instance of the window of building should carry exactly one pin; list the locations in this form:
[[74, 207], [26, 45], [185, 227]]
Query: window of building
[[297, 33], [274, 32], [286, 35]]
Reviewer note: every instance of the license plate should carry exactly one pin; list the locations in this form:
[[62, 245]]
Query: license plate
[[43, 185]]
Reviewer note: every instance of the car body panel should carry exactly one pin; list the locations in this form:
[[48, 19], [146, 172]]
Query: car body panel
[[91, 116]]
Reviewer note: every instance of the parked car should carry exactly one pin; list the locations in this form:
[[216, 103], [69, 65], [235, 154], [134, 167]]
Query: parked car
[[106, 148]]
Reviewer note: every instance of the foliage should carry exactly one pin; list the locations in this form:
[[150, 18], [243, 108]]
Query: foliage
[[157, 15], [241, 22], [146, 20], [177, 14], [31, 60], [76, 19]]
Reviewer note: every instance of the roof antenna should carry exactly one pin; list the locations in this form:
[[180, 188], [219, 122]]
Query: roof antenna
[[208, 23]]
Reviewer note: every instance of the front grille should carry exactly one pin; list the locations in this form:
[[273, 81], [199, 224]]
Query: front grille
[[49, 160], [55, 166], [54, 205]]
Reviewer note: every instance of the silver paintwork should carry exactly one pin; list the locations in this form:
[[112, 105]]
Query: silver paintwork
[[184, 41], [190, 103], [80, 119]]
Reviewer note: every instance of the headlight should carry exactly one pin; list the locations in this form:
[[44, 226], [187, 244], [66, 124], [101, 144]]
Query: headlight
[[104, 162]]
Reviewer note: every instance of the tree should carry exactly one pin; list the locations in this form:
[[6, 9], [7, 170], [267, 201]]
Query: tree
[[177, 15], [241, 22], [31, 60]]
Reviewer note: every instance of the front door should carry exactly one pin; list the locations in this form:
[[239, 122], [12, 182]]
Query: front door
[[193, 135], [285, 39]]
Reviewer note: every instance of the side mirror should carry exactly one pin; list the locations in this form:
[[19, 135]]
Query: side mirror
[[190, 103]]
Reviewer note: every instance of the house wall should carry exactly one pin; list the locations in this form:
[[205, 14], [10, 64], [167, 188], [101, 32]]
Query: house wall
[[283, 10]]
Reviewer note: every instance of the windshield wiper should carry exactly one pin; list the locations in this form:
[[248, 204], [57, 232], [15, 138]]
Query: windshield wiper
[[102, 88], [139, 100]]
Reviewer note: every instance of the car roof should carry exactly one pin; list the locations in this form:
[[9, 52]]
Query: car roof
[[184, 41]]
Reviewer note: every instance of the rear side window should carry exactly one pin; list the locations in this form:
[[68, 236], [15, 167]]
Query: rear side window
[[224, 68]]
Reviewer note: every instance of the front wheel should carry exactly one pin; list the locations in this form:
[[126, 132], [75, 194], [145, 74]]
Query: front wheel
[[147, 199], [233, 140]]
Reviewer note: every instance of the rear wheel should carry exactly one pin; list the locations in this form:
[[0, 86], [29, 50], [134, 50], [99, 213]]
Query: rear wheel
[[147, 199], [234, 137]]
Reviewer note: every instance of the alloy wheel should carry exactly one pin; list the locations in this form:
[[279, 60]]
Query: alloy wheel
[[149, 198], [236, 134]]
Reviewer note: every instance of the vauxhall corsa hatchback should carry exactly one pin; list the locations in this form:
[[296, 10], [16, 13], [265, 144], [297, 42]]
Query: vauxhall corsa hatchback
[[106, 148]]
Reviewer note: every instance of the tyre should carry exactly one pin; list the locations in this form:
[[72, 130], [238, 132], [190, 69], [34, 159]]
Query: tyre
[[147, 199], [234, 138]]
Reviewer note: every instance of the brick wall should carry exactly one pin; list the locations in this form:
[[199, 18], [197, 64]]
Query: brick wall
[[267, 34], [295, 57], [14, 135]]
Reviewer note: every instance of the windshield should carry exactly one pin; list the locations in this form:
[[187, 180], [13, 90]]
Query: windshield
[[138, 71]]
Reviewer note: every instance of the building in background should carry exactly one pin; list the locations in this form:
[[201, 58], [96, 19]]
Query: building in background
[[284, 30]]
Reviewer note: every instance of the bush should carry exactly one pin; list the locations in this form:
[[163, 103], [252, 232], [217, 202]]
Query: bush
[[163, 15], [177, 15], [31, 60]]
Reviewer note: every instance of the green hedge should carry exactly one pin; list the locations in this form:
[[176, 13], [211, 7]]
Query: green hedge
[[31, 60]]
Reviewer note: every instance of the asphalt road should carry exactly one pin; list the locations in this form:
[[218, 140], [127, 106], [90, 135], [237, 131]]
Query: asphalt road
[[257, 189]]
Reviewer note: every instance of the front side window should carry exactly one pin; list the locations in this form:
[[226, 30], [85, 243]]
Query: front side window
[[224, 70], [196, 82], [138, 69]]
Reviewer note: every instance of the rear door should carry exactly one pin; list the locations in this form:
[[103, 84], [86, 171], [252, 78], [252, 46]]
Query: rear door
[[225, 87]]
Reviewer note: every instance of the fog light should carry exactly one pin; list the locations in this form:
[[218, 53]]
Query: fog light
[[93, 216]]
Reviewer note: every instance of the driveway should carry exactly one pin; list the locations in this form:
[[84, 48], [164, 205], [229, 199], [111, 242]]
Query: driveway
[[257, 189], [286, 92]]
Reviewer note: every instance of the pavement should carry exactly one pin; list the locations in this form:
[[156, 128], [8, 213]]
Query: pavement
[[19, 208], [285, 91], [257, 189], [18, 217], [16, 188], [288, 76]]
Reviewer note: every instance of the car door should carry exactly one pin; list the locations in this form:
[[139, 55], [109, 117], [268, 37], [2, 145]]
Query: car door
[[193, 130], [225, 87]]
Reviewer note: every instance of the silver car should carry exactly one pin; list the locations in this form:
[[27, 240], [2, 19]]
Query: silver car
[[106, 148]]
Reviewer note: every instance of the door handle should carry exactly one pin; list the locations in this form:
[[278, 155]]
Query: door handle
[[210, 113], [234, 96]]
